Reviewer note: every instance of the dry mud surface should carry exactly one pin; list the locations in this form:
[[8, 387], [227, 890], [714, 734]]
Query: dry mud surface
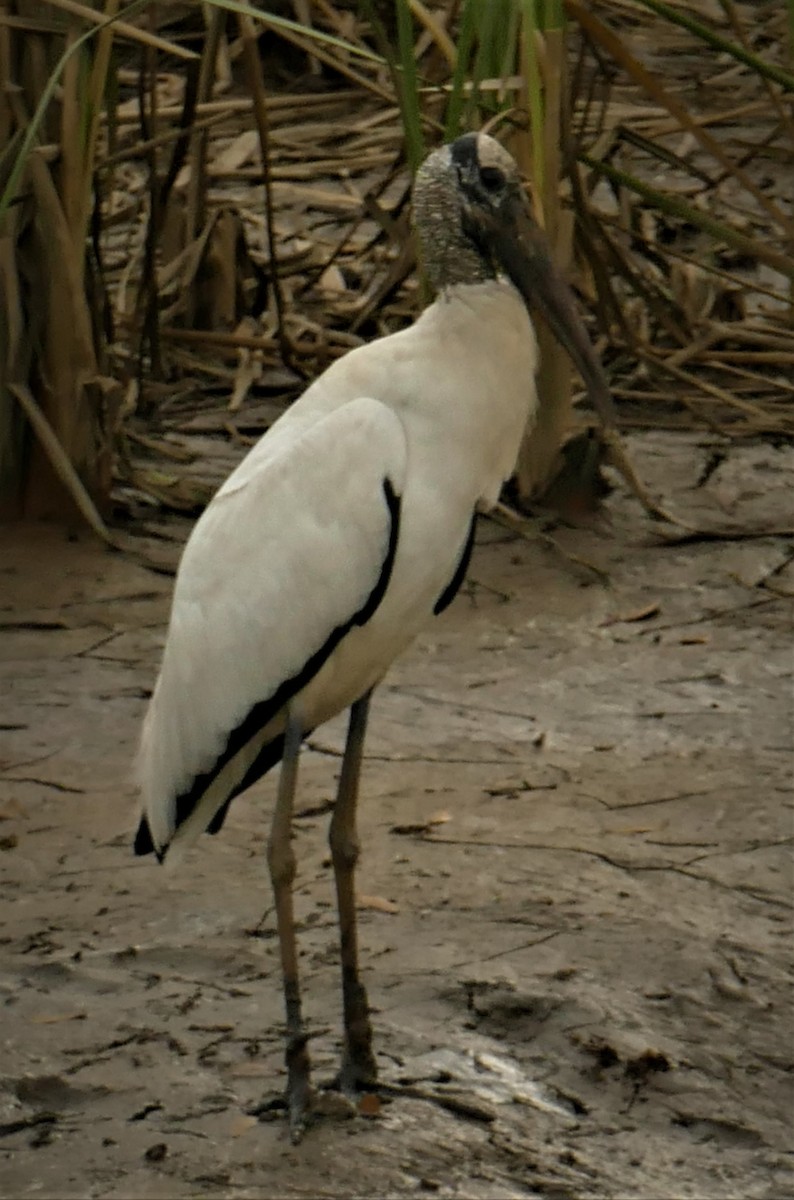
[[576, 888]]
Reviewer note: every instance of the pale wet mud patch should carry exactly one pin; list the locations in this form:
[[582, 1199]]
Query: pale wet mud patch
[[576, 887]]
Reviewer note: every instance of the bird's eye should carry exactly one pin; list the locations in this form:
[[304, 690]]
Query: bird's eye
[[492, 179]]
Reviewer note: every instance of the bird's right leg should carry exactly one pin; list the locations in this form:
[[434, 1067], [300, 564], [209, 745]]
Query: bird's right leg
[[281, 861], [359, 1071]]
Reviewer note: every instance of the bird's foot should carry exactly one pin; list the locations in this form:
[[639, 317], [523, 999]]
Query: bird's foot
[[358, 1072], [299, 1106], [299, 1111], [298, 1117], [357, 1076], [299, 1092]]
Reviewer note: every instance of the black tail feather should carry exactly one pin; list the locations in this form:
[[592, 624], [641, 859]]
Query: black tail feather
[[268, 756], [144, 842]]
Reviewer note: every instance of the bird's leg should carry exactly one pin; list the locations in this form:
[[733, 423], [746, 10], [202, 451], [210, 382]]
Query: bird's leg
[[358, 1063], [281, 861]]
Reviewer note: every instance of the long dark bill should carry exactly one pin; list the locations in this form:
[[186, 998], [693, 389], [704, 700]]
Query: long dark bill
[[522, 251]]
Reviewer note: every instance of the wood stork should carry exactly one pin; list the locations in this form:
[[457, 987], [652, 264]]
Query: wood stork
[[342, 533]]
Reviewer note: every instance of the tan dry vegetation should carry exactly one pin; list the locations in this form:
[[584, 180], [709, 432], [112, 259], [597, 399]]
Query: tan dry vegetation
[[249, 220]]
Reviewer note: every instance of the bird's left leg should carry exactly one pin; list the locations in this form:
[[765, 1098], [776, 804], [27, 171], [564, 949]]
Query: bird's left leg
[[281, 861], [358, 1063]]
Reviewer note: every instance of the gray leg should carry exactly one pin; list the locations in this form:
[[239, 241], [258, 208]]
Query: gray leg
[[358, 1063], [281, 861]]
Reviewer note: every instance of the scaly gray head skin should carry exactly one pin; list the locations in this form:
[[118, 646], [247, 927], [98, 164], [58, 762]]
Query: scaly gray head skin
[[474, 224], [472, 172]]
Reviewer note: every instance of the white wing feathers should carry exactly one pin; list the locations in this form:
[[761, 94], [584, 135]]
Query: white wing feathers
[[284, 555]]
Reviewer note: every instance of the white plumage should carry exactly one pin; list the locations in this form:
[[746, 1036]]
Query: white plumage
[[293, 543], [343, 532]]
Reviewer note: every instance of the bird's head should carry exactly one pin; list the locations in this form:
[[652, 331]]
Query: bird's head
[[474, 224]]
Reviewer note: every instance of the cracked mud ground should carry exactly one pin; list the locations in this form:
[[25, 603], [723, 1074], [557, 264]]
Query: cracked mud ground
[[576, 887]]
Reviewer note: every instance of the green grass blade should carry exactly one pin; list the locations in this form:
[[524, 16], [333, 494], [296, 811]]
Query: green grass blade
[[760, 65], [529, 35], [409, 87], [315, 35], [487, 57], [554, 15], [453, 123], [676, 207]]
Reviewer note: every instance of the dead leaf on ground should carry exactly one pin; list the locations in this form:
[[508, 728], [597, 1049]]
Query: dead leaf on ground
[[416, 827], [241, 1125], [250, 1070], [377, 903], [369, 1105], [638, 614], [57, 1018], [332, 281], [239, 152]]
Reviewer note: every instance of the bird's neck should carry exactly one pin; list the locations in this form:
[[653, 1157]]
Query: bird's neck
[[452, 262], [447, 255]]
